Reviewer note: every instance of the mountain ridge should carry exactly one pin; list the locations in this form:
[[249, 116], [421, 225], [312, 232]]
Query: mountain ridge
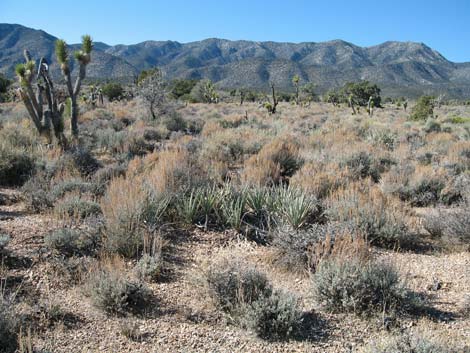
[[393, 65]]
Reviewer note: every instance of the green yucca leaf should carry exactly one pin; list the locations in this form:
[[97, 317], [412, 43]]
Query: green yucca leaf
[[61, 51], [87, 44], [30, 66], [79, 55], [20, 70]]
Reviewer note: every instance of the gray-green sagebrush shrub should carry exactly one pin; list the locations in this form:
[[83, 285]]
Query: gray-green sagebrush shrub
[[113, 293], [358, 287], [76, 207], [247, 296], [232, 283], [4, 240], [149, 266], [9, 325], [72, 241], [16, 165], [274, 317]]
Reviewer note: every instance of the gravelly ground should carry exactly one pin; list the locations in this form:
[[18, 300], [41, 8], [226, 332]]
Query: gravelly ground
[[182, 318]]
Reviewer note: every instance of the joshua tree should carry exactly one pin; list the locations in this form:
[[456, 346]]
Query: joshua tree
[[295, 82], [351, 104], [271, 107], [370, 106], [83, 57], [242, 96], [41, 118]]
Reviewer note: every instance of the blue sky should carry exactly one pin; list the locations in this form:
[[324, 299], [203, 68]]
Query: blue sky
[[443, 25]]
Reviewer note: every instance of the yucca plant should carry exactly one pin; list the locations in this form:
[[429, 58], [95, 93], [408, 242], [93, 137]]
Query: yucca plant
[[156, 208], [295, 207], [189, 207], [260, 205], [233, 209], [209, 205]]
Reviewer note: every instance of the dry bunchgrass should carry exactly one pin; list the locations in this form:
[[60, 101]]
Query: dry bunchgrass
[[275, 163], [382, 219]]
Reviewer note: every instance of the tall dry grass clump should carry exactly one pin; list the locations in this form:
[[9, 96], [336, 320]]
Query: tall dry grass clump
[[382, 219], [275, 163], [124, 206]]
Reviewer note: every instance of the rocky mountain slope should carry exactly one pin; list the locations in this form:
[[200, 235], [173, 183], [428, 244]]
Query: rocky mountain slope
[[404, 67]]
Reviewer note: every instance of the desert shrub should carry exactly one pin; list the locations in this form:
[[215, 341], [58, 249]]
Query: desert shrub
[[423, 192], [274, 317], [113, 91], [72, 270], [423, 109], [8, 328], [136, 145], [231, 283], [110, 140], [319, 179], [452, 225], [175, 122], [80, 159], [71, 185], [181, 88], [72, 241], [274, 164], [111, 292], [409, 343], [354, 286], [362, 165], [384, 138], [4, 240], [77, 207], [153, 134], [303, 249], [109, 172], [16, 165], [36, 192], [361, 91], [432, 126], [373, 214], [149, 266]]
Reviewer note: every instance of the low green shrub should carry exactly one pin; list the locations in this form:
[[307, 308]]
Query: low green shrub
[[72, 241], [114, 294], [274, 317], [16, 166], [232, 283], [149, 267], [77, 207], [9, 325], [361, 288]]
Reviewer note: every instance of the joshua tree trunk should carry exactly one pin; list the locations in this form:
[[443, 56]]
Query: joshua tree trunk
[[370, 106], [83, 57], [275, 102], [41, 118], [351, 104]]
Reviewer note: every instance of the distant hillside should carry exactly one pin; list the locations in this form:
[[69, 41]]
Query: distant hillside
[[407, 67]]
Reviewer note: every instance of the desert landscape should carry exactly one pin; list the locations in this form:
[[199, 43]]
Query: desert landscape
[[165, 212]]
